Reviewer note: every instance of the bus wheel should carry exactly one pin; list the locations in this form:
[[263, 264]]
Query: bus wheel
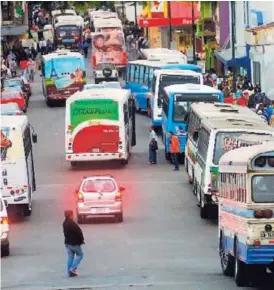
[[49, 102], [227, 260], [203, 207], [73, 163], [27, 210], [240, 268], [124, 161]]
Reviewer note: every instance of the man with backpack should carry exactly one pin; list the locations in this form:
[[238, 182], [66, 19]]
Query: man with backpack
[[153, 146]]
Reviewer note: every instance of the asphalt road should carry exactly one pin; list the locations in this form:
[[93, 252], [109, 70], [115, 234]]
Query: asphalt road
[[162, 243]]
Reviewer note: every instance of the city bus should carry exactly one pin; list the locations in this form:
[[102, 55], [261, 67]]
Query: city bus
[[158, 53], [139, 77], [56, 13], [200, 111], [109, 47], [100, 125], [215, 138], [68, 32], [105, 25], [63, 74], [176, 103], [163, 78], [17, 166], [100, 14], [246, 207]]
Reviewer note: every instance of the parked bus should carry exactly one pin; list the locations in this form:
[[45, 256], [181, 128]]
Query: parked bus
[[63, 74], [17, 166], [108, 115], [109, 47], [68, 32], [163, 78], [139, 77], [246, 207], [200, 111], [215, 138], [176, 102]]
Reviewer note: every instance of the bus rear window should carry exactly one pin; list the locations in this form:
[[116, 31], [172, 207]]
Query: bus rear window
[[68, 31], [262, 188], [168, 80]]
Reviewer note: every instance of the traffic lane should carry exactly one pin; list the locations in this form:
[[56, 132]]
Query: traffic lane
[[154, 245]]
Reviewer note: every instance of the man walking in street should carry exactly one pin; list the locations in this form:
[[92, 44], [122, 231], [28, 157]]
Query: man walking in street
[[153, 146], [174, 150], [86, 45], [73, 240]]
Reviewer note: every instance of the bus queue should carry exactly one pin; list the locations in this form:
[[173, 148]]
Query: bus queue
[[229, 182]]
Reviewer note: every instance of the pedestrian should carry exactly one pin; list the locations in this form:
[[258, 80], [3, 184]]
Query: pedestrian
[[31, 68], [49, 46], [13, 66], [243, 100], [85, 47], [42, 46], [74, 239], [174, 150], [152, 147]]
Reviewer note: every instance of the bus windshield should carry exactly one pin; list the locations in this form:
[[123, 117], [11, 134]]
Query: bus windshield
[[180, 111], [68, 31], [262, 188], [168, 80]]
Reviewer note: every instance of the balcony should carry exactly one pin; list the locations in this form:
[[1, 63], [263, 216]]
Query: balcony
[[206, 28], [260, 35]]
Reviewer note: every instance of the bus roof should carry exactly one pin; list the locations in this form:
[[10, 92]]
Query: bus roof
[[17, 122], [62, 53], [161, 63], [191, 88], [238, 160], [255, 139], [69, 20], [207, 110], [236, 123], [176, 72], [66, 11], [119, 95]]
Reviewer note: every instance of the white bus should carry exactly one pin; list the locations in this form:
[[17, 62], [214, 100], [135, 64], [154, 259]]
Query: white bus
[[100, 125], [201, 111], [215, 138], [17, 166], [150, 53], [246, 220], [105, 25], [56, 13], [168, 77]]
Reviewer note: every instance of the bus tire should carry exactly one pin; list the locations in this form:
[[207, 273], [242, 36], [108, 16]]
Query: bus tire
[[124, 161], [27, 210], [240, 268], [73, 163], [226, 259], [203, 207], [49, 103]]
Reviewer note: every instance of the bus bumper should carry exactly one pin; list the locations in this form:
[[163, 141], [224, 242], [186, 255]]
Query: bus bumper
[[263, 255], [157, 123], [95, 156]]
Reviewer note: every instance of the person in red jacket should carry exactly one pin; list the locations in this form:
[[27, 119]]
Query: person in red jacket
[[174, 150], [243, 100], [229, 99]]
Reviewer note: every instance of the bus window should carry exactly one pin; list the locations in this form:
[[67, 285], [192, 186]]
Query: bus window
[[132, 71], [141, 74], [136, 74], [128, 73], [262, 188], [150, 76], [165, 103], [203, 143], [126, 119], [153, 84], [180, 110]]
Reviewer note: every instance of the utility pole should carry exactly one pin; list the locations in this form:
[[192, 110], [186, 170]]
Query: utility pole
[[123, 10], [233, 44], [170, 27], [193, 33]]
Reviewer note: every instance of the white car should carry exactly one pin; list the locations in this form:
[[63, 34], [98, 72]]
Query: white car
[[105, 72], [5, 245], [97, 197]]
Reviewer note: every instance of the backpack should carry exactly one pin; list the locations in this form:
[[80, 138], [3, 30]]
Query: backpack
[[154, 145]]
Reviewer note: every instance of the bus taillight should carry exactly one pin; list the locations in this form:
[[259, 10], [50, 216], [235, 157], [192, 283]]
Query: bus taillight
[[266, 213]]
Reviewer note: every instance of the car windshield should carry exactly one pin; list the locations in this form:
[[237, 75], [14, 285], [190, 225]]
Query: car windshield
[[168, 80], [8, 108], [14, 88], [112, 85], [92, 87], [99, 185], [180, 111], [10, 95], [12, 83], [101, 66], [227, 141], [262, 188]]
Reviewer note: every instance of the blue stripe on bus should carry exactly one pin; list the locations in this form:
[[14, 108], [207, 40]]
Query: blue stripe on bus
[[246, 213]]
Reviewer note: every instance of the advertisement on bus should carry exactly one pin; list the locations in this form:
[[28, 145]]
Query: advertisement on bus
[[109, 47]]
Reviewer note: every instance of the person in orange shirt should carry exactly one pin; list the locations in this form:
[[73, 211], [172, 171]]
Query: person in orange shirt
[[174, 150]]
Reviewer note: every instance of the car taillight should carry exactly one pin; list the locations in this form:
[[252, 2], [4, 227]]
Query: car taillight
[[265, 213], [80, 197], [4, 221], [118, 196]]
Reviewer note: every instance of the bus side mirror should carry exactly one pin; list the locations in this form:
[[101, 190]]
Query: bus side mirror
[[196, 136], [34, 138], [6, 203]]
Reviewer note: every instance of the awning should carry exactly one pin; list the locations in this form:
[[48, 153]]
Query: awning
[[156, 22], [14, 30], [225, 56]]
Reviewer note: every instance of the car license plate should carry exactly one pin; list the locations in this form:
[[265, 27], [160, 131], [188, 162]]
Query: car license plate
[[99, 210], [95, 150], [267, 235]]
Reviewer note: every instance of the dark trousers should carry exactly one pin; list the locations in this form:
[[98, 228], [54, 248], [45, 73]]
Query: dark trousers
[[86, 52], [174, 157], [152, 155]]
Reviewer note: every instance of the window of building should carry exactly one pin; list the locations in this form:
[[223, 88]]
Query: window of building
[[256, 72], [7, 10]]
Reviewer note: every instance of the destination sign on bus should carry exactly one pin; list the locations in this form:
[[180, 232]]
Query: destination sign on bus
[[196, 97]]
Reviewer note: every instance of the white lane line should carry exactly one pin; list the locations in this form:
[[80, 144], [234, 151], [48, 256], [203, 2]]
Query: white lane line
[[119, 181]]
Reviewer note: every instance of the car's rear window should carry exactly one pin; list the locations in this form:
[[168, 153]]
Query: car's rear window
[[99, 185], [12, 83], [101, 66]]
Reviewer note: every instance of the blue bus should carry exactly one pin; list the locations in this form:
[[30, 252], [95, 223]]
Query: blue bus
[[139, 76], [176, 103]]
